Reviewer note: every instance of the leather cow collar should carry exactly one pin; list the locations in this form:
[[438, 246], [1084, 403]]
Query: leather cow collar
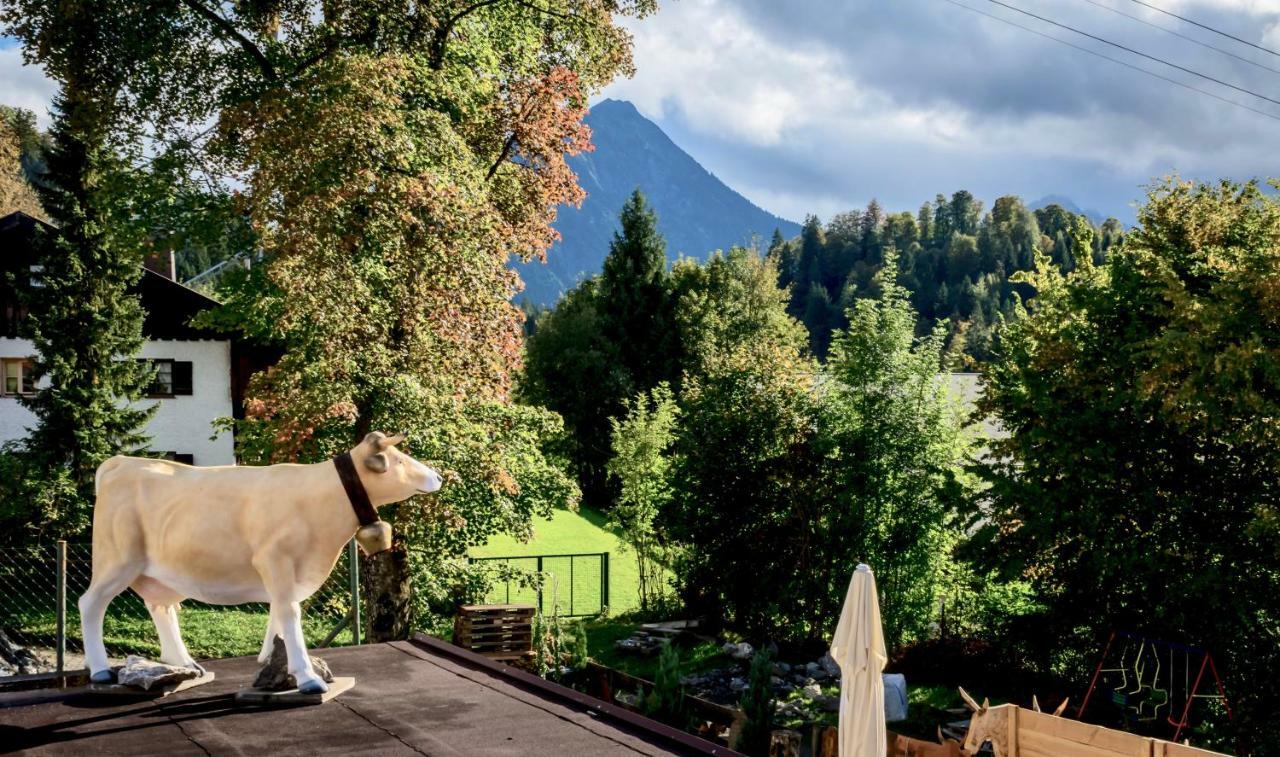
[[356, 493]]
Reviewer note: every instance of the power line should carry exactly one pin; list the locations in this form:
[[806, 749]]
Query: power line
[[1180, 35], [1205, 27], [1130, 50], [1117, 61]]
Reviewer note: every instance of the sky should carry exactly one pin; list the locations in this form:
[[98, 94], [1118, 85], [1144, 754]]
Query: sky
[[818, 106]]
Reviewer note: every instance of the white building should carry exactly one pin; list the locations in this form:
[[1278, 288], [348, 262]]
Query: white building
[[197, 371]]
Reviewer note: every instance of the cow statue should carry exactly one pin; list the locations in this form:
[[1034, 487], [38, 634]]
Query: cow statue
[[232, 534]]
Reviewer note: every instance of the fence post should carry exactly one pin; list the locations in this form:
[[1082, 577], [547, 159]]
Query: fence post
[[62, 612], [353, 571], [539, 583], [604, 580]]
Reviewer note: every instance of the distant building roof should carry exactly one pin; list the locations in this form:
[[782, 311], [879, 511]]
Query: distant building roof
[[419, 697], [169, 305]]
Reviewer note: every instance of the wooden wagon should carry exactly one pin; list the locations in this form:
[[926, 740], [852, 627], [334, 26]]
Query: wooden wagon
[[1018, 732]]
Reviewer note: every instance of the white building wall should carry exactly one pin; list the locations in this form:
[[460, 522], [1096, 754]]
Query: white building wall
[[180, 424], [184, 424], [14, 418]]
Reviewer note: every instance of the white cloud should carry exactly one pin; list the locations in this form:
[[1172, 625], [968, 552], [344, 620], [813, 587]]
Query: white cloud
[[819, 106], [24, 86], [723, 75]]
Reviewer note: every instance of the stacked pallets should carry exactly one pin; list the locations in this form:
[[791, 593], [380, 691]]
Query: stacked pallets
[[499, 632]]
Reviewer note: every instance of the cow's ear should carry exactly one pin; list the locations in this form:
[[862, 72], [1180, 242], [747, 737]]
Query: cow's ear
[[377, 463]]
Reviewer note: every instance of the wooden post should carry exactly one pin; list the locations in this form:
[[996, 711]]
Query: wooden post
[[784, 743], [1013, 732], [62, 612], [827, 743], [604, 580], [353, 570]]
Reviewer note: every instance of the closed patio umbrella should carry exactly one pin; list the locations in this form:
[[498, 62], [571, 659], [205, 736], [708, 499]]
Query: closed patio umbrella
[[858, 648]]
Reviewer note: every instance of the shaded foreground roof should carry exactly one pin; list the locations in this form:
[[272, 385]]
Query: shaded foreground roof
[[410, 698]]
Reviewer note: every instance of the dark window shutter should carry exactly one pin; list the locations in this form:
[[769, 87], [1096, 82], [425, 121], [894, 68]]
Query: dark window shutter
[[182, 377]]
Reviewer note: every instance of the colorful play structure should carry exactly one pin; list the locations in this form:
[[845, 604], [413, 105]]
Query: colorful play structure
[[1152, 680]]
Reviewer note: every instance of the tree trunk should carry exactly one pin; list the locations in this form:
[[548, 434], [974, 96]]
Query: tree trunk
[[388, 594]]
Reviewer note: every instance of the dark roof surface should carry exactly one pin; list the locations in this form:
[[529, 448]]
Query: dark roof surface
[[169, 305], [410, 698]]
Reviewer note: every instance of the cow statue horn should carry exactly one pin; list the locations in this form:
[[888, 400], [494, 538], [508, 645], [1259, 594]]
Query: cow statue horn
[[969, 701]]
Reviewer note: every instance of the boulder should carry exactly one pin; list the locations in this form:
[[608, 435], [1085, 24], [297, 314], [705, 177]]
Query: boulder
[[741, 651], [19, 660], [829, 664], [274, 676], [146, 674]]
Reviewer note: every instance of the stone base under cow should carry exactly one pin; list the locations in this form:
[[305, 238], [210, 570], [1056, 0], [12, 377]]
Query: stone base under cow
[[126, 691], [292, 697]]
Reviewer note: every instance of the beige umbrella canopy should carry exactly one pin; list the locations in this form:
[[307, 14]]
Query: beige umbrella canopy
[[858, 648]]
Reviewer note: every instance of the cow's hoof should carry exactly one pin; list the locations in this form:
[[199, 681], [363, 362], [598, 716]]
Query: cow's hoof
[[102, 676], [313, 687]]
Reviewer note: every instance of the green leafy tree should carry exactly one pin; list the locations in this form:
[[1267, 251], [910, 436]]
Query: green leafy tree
[[574, 370], [388, 161], [745, 471], [641, 463], [1134, 488], [895, 443]]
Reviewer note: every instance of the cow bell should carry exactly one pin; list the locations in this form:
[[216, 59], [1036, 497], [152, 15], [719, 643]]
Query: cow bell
[[375, 537]]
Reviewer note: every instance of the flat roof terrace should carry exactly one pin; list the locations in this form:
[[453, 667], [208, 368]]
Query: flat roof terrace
[[420, 697]]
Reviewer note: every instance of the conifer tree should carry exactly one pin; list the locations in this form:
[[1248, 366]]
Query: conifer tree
[[635, 294], [85, 324]]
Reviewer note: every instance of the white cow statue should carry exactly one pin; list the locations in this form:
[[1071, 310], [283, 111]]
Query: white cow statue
[[232, 534]]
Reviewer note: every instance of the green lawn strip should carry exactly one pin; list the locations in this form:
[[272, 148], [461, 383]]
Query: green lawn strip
[[568, 532], [208, 632]]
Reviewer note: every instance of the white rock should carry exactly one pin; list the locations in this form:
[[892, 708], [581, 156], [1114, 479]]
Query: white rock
[[146, 674]]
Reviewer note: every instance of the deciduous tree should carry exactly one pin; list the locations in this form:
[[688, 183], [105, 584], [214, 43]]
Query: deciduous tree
[[1141, 400]]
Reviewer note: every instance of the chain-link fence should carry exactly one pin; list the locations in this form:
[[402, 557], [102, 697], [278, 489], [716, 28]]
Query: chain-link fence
[[40, 586], [574, 585]]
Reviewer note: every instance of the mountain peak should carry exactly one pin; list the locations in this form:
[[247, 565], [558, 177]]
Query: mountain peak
[[1067, 204], [697, 212]]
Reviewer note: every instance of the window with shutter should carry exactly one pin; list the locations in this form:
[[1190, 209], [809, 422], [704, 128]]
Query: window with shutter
[[182, 377]]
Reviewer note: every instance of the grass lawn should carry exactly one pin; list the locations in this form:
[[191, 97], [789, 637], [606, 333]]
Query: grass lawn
[[567, 532]]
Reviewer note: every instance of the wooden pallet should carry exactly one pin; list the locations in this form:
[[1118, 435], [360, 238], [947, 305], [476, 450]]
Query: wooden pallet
[[499, 632]]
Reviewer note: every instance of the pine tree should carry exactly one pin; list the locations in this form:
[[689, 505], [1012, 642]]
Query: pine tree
[[757, 707], [85, 324], [635, 295]]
